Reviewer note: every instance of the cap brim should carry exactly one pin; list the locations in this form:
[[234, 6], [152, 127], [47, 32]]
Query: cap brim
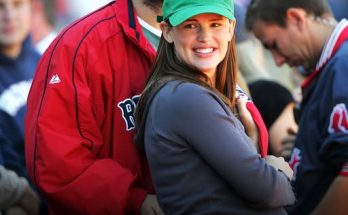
[[180, 16]]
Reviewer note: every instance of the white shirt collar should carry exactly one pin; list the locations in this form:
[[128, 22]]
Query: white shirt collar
[[330, 43], [149, 27]]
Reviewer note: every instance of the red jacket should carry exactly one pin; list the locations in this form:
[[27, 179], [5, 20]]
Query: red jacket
[[80, 126]]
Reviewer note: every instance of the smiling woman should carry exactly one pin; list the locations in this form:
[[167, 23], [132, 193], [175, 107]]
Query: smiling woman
[[201, 41], [201, 160]]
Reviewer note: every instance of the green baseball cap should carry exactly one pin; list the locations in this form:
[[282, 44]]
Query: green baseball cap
[[177, 11]]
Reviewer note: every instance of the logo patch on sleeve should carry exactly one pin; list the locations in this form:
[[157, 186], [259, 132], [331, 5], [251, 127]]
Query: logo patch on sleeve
[[127, 107], [339, 119]]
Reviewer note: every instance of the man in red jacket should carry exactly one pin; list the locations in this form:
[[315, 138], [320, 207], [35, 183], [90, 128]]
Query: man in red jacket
[[80, 126]]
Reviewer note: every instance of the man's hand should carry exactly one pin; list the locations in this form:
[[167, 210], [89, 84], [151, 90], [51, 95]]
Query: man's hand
[[151, 206]]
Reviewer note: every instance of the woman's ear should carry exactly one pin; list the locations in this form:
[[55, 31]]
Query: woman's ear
[[165, 27], [232, 25]]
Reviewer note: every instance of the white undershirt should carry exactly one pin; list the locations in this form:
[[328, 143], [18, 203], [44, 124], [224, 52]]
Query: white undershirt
[[149, 27]]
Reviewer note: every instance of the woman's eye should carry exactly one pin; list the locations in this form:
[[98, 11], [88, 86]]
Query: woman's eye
[[216, 24], [190, 26]]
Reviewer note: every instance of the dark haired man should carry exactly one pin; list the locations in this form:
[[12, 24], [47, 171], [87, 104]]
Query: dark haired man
[[304, 33]]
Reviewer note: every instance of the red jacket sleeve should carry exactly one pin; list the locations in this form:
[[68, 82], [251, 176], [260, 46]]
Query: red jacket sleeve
[[263, 133]]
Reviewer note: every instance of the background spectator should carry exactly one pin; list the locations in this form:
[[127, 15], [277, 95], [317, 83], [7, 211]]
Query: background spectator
[[18, 59], [276, 106], [43, 23]]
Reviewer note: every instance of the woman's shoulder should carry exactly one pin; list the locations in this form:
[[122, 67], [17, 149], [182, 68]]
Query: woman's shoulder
[[182, 89], [179, 94]]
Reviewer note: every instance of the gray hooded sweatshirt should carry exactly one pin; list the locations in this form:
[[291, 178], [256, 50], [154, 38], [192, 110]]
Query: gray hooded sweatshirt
[[201, 160]]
